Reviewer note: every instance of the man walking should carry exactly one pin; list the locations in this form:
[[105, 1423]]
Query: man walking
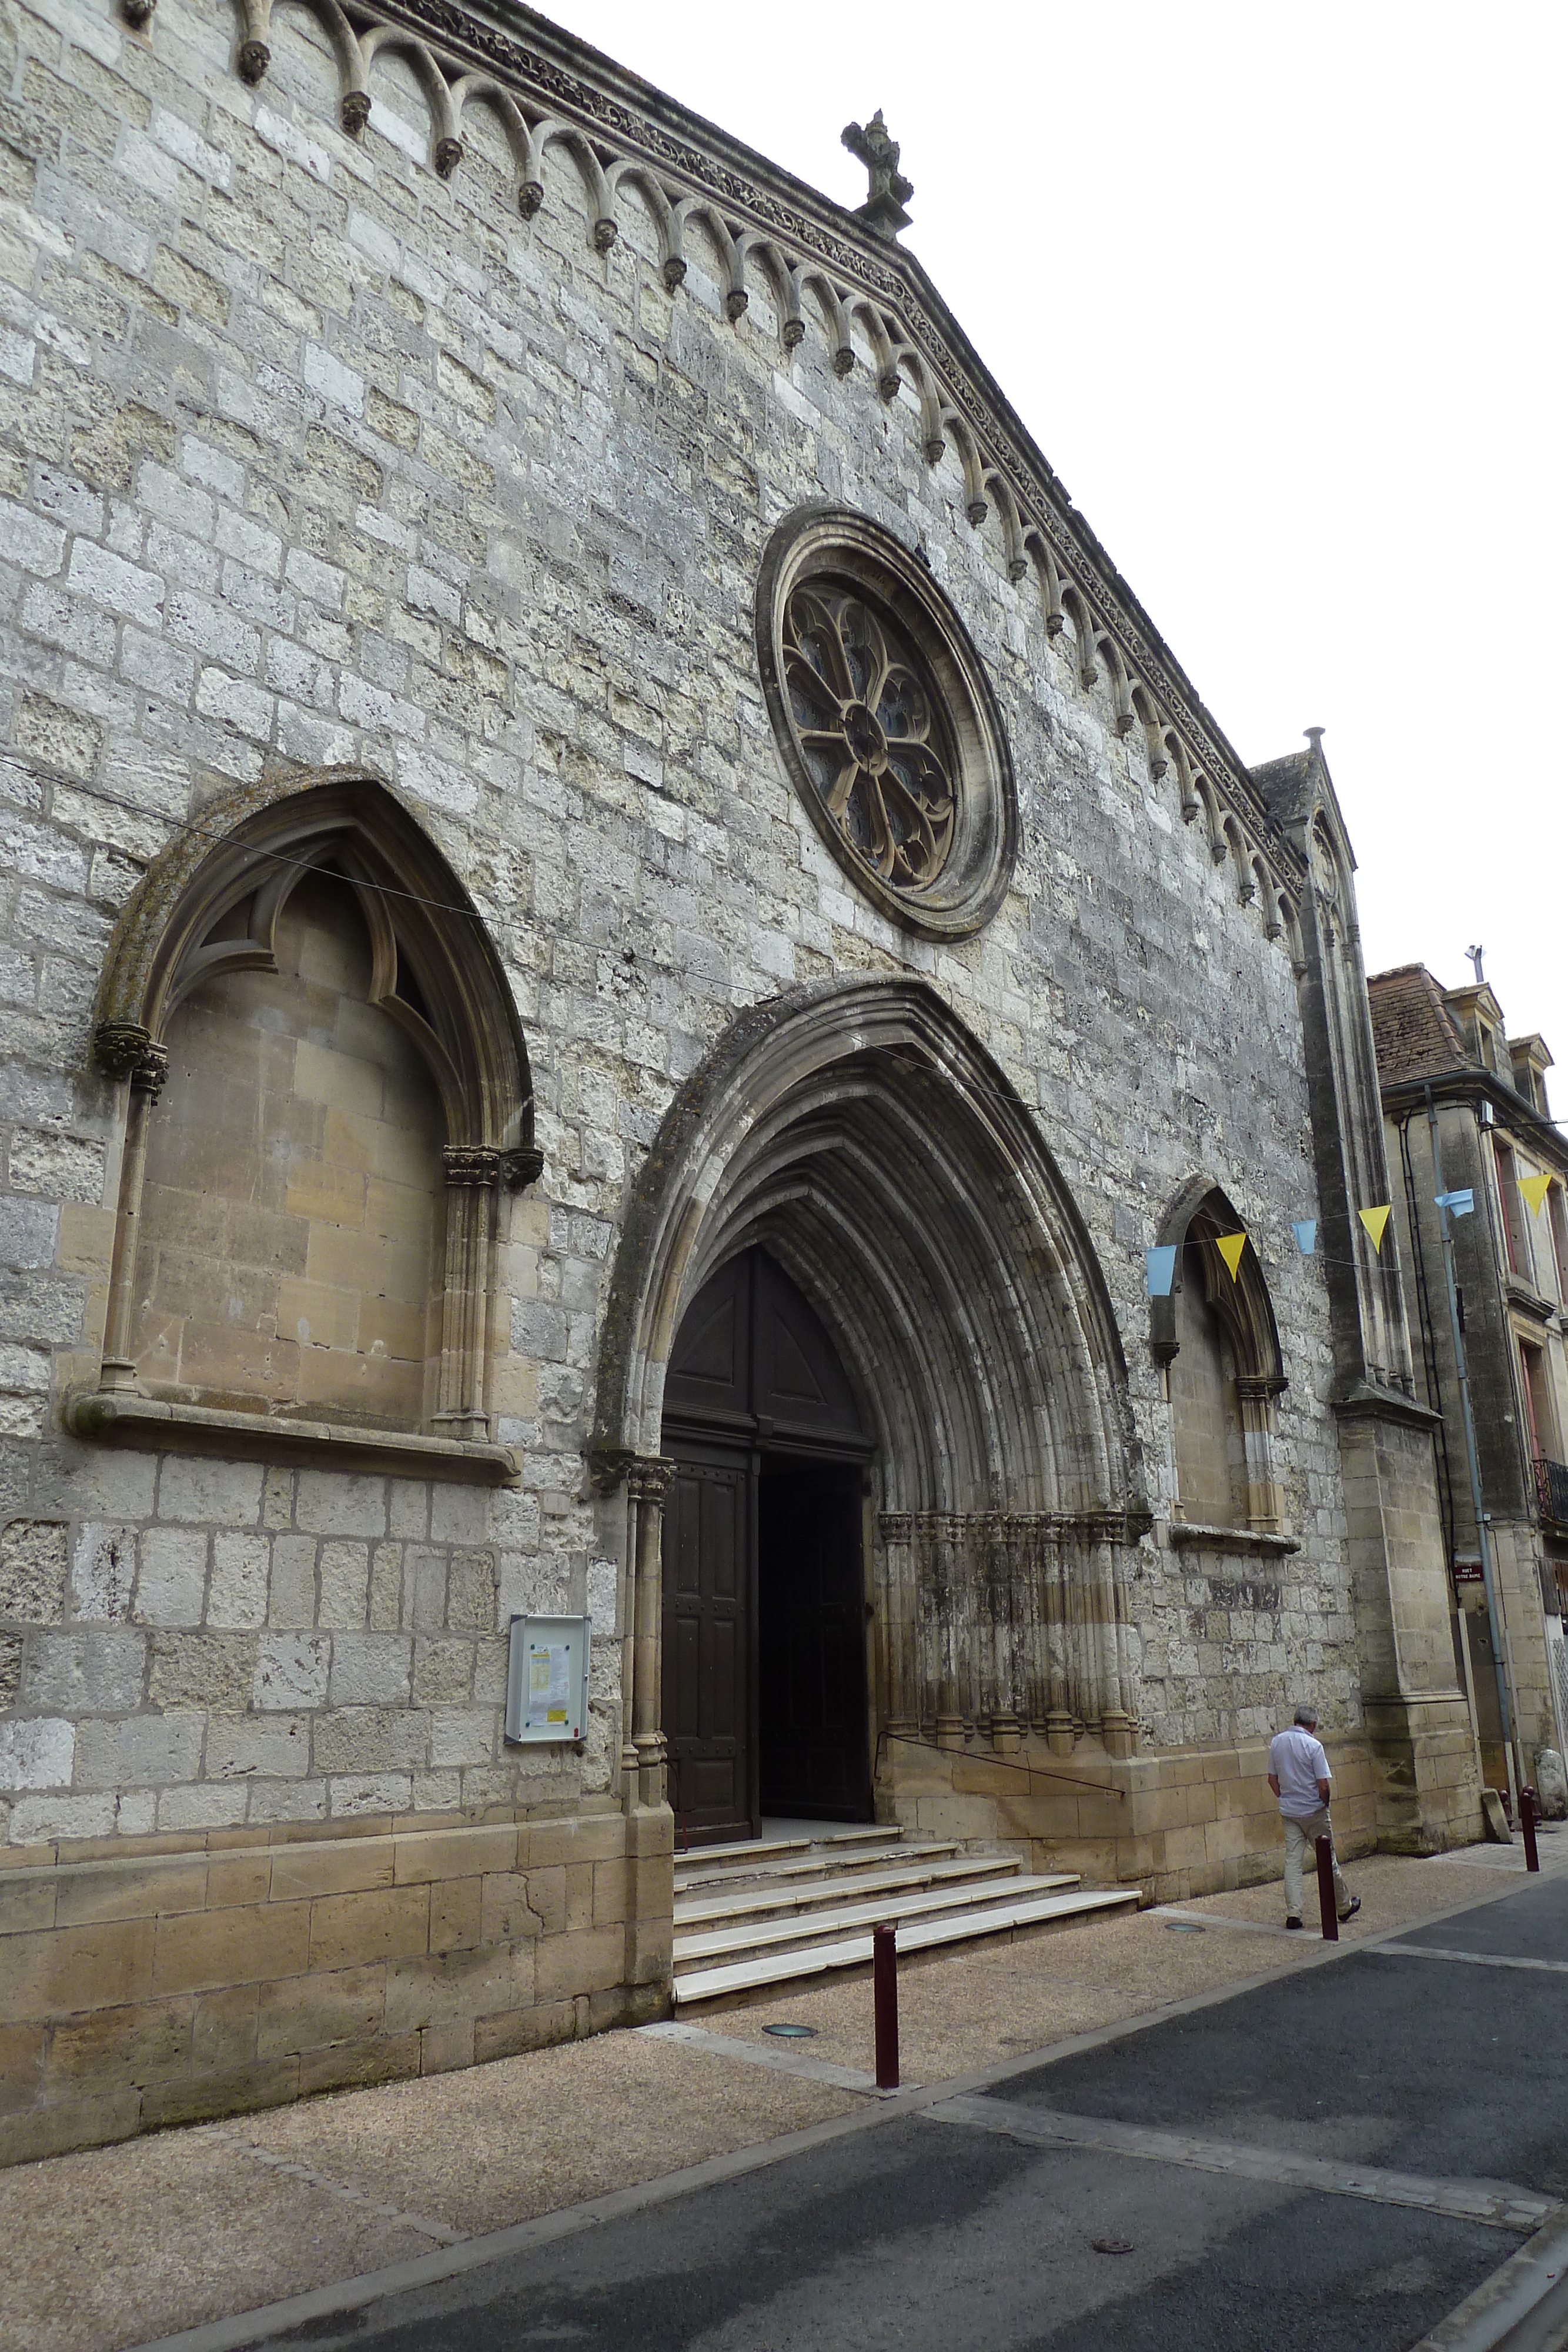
[[1299, 1775]]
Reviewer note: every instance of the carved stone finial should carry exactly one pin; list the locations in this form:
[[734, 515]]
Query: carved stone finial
[[889, 191], [354, 110], [138, 13], [448, 155], [255, 56]]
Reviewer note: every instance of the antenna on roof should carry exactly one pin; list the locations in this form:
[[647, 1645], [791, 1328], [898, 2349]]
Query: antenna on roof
[[1475, 955]]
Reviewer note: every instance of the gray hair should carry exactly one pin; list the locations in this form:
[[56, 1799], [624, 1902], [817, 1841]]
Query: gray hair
[[1308, 1717]]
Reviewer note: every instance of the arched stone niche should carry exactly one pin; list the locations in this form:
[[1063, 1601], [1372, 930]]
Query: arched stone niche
[[860, 1134], [1219, 1344], [327, 1090]]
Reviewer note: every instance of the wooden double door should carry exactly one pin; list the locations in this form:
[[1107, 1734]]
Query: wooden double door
[[765, 1606]]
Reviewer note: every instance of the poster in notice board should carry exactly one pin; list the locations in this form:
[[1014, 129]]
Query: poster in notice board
[[546, 1678]]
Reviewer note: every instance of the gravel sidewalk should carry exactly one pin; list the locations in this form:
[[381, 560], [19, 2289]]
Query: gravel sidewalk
[[121, 2245]]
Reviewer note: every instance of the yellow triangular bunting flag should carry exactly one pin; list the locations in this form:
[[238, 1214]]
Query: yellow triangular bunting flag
[[1375, 1220], [1230, 1246], [1535, 1189]]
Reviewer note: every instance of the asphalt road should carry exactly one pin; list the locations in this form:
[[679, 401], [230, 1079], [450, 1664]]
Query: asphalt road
[[1177, 2220]]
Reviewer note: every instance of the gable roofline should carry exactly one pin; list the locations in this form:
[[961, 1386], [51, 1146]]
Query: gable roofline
[[620, 126]]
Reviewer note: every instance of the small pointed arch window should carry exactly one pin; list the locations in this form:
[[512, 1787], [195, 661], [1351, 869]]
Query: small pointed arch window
[[1216, 1337], [327, 1095]]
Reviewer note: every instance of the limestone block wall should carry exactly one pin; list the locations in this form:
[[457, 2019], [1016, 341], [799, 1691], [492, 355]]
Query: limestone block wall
[[1178, 1822], [241, 1645], [311, 455], [160, 1982]]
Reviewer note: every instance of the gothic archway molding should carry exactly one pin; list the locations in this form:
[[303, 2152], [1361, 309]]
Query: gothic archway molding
[[862, 1134], [210, 905]]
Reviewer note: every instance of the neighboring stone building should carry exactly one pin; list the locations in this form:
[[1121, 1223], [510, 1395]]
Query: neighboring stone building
[[613, 916], [1453, 1078]]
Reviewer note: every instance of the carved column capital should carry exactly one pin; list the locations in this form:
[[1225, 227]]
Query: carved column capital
[[471, 1163], [124, 1049], [648, 1477]]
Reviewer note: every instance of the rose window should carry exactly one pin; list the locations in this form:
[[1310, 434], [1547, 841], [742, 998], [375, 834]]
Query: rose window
[[886, 721], [872, 734]]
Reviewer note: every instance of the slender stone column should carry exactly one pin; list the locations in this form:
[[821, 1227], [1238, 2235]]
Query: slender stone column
[[648, 1482], [896, 1531], [1256, 1393], [472, 1173], [124, 1049]]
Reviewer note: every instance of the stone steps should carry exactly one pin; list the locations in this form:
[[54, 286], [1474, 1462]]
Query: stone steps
[[855, 1951], [756, 1937], [766, 1901], [795, 1859], [777, 1909]]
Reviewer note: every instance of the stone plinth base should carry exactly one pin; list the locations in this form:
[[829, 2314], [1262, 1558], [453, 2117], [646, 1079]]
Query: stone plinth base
[[1179, 1821], [174, 1979], [1424, 1758]]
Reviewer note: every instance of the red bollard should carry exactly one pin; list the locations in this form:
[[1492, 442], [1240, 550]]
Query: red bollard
[[1529, 1806], [1325, 1890], [884, 1998]]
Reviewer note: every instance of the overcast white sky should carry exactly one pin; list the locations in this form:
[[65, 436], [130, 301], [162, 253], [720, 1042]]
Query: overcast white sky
[[1280, 292]]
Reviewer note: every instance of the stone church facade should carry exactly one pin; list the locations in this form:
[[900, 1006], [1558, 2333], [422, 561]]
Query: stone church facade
[[619, 936]]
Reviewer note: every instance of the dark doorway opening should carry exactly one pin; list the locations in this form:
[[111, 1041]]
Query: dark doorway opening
[[810, 1625], [765, 1608]]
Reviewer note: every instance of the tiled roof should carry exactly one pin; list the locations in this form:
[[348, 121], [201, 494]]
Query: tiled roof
[[1412, 1028]]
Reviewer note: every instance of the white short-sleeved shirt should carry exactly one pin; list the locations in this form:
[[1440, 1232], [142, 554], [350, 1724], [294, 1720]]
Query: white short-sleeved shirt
[[1296, 1759]]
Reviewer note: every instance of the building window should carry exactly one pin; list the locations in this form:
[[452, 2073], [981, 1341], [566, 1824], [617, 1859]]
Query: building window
[[1218, 1336], [872, 731], [1540, 1408], [1559, 1221], [328, 1095], [1516, 1237], [886, 721], [1205, 1410]]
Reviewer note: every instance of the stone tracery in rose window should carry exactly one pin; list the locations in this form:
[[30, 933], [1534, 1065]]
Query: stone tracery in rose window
[[871, 733]]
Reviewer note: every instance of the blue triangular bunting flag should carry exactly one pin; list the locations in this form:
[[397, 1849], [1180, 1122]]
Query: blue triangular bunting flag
[[1161, 1271], [1459, 1204], [1306, 1232]]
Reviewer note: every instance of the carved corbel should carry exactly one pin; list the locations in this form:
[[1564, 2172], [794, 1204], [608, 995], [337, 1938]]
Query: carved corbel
[[124, 1049], [523, 1165]]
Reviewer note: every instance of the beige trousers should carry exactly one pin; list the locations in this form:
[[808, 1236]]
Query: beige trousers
[[1301, 1839]]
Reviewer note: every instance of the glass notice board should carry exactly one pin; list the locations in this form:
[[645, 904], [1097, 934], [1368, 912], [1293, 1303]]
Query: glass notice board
[[546, 1678]]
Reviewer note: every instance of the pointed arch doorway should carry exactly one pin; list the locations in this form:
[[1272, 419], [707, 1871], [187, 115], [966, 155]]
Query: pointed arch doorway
[[766, 1590]]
